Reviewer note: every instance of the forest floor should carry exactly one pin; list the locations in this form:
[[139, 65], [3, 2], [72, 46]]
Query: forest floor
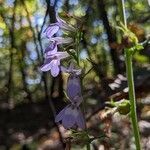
[[30, 126]]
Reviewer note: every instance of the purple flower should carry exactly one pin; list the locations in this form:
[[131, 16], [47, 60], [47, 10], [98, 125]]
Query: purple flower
[[61, 40], [52, 62], [73, 91], [51, 30], [71, 117], [64, 25], [51, 49], [54, 27]]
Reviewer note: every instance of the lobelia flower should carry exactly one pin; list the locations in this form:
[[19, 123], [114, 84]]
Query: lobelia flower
[[74, 88], [52, 62], [51, 30], [71, 117], [54, 27], [73, 91], [52, 48], [64, 25], [61, 40]]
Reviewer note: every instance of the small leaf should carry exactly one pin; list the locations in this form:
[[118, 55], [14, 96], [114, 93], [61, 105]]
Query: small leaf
[[139, 47]]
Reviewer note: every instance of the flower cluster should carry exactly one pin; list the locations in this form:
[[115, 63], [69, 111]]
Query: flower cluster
[[52, 56], [71, 116]]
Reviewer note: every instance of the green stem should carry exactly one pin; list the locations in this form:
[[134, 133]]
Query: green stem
[[88, 146], [129, 70], [78, 62], [123, 13], [77, 47]]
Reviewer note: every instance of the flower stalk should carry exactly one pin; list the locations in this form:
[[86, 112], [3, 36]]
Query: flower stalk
[[78, 39], [88, 146], [130, 79], [128, 59]]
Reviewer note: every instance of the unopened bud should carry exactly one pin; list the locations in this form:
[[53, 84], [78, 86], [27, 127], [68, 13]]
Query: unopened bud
[[124, 107]]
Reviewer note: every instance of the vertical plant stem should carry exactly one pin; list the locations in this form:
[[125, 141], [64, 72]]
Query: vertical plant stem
[[88, 146], [78, 39], [124, 13], [77, 47], [129, 70]]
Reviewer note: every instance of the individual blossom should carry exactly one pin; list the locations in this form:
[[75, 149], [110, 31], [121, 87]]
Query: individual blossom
[[73, 90], [64, 25], [71, 117], [51, 30], [54, 27], [52, 62], [74, 87], [52, 48], [61, 40]]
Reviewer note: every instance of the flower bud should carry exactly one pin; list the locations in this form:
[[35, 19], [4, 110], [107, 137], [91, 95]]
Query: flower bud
[[124, 107]]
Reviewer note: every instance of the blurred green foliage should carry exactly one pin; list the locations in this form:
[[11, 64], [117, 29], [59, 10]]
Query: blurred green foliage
[[20, 50], [22, 44]]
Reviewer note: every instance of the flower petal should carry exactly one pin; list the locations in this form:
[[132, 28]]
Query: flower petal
[[51, 49], [46, 66], [69, 117], [68, 121], [61, 40], [51, 30], [73, 87], [61, 55], [60, 116], [80, 120], [59, 20], [55, 68], [64, 25]]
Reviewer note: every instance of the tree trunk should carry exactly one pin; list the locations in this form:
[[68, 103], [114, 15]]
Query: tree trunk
[[111, 37]]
